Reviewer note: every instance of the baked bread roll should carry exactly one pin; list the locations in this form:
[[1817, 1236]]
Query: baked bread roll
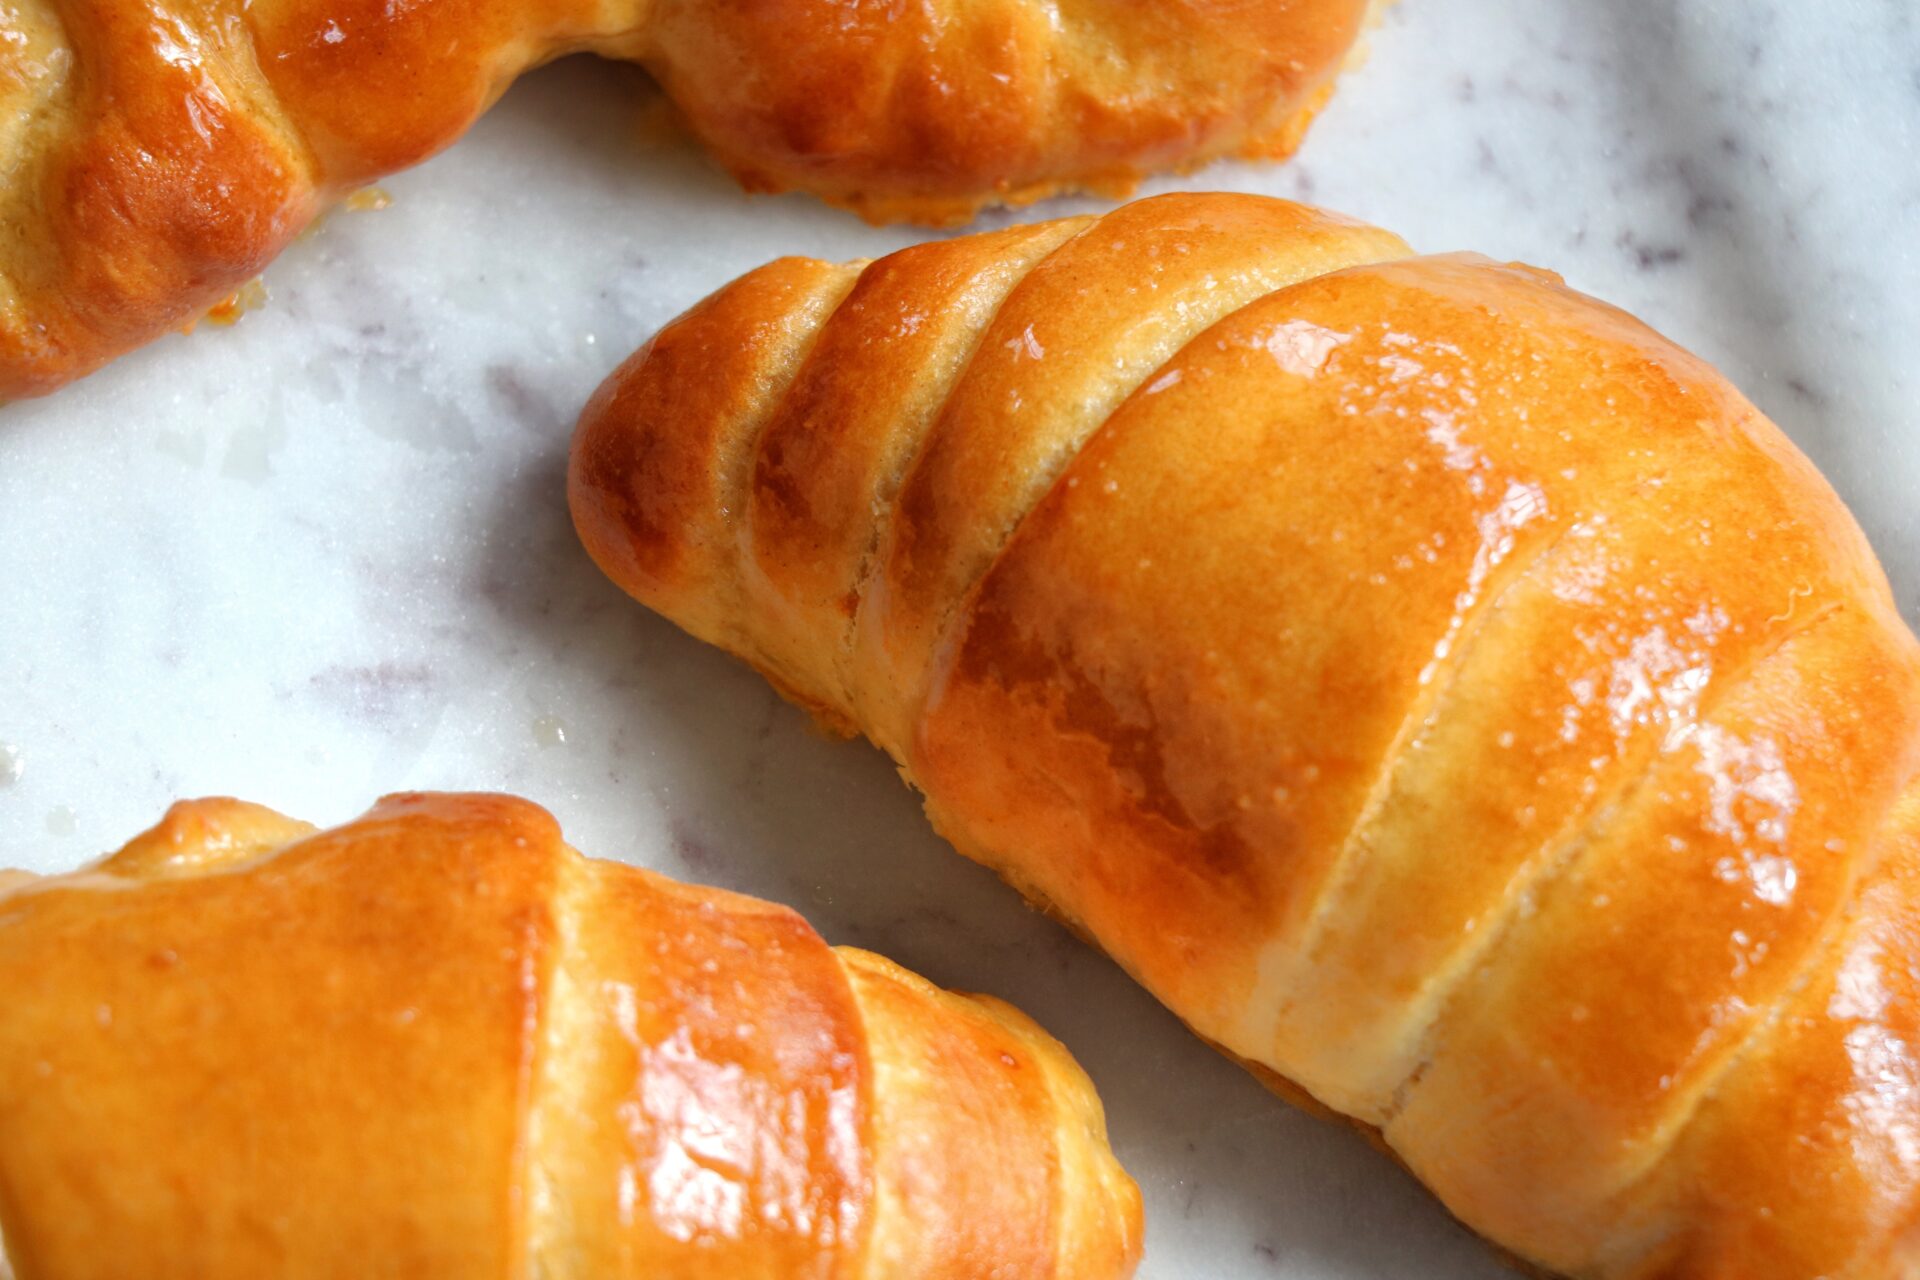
[[158, 157], [1450, 697], [437, 1042]]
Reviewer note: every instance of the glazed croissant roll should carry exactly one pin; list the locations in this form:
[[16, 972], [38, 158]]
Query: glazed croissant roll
[[157, 155], [438, 1042], [1450, 697]]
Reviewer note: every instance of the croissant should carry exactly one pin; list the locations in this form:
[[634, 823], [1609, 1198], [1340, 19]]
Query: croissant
[[437, 1042], [158, 156], [1448, 696]]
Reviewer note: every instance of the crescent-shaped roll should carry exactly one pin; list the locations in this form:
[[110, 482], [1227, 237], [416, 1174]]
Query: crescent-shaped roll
[[436, 1042], [1450, 697], [159, 153]]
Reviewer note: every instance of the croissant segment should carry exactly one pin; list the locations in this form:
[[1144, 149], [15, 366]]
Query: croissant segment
[[439, 1037], [1446, 694], [161, 154]]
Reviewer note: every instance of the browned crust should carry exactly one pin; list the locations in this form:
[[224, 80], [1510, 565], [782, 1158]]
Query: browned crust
[[151, 185], [1280, 1086], [439, 1034], [1426, 680]]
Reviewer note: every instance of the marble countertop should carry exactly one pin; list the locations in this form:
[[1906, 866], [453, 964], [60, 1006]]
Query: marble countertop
[[324, 553]]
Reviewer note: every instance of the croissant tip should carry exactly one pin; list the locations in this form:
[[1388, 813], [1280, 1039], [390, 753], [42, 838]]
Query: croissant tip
[[199, 835]]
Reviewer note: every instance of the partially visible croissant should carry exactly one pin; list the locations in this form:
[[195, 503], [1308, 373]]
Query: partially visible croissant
[[157, 155], [438, 1043], [1447, 695]]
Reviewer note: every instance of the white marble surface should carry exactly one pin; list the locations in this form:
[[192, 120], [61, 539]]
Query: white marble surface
[[325, 554]]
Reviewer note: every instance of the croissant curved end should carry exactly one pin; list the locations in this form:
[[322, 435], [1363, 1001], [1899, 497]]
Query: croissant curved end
[[158, 160]]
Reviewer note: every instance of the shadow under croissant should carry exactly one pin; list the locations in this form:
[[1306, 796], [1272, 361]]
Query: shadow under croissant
[[752, 798]]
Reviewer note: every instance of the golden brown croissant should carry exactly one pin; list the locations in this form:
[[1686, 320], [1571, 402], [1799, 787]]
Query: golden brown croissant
[[157, 154], [436, 1042], [1447, 695]]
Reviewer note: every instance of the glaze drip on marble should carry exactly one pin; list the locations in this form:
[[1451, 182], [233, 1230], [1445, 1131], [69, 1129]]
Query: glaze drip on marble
[[324, 553]]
